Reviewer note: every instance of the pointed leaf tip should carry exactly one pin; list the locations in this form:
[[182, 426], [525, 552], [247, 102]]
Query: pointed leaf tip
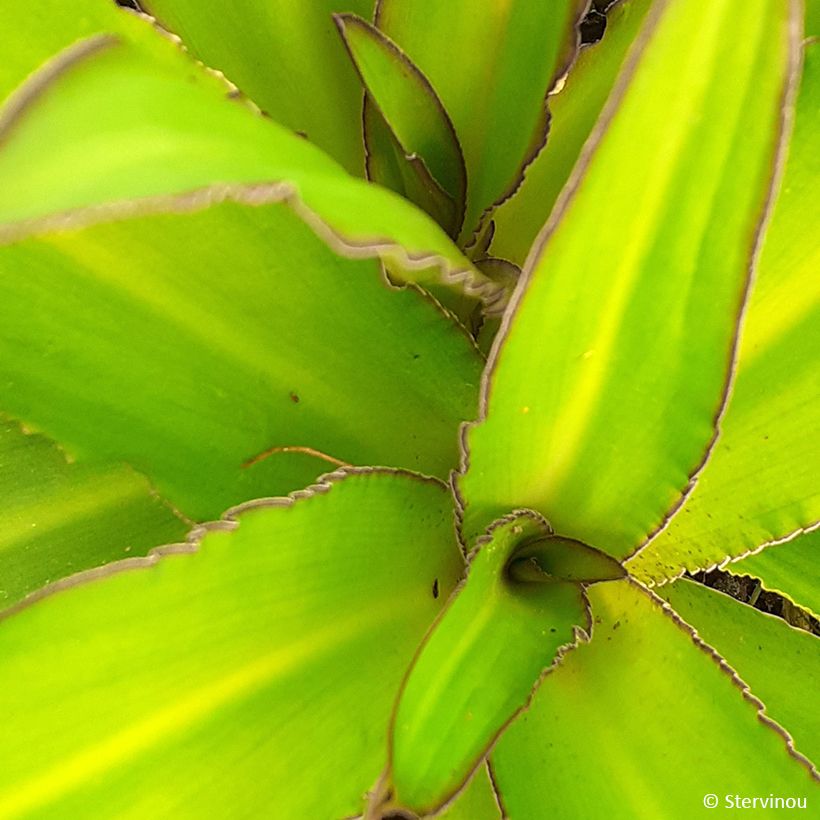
[[427, 149]]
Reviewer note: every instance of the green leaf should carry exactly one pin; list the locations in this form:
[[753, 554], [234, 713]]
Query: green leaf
[[186, 344], [59, 518], [234, 679], [812, 18], [492, 69], [476, 802], [409, 106], [650, 719], [478, 666], [573, 114], [760, 484], [115, 119], [790, 569], [388, 164], [35, 31], [606, 379], [286, 56], [776, 660]]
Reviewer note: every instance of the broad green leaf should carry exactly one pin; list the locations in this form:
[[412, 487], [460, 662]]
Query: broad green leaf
[[649, 718], [408, 103], [388, 164], [286, 56], [573, 113], [476, 802], [186, 344], [121, 118], [774, 659], [792, 569], [610, 369], [812, 18], [35, 30], [478, 666], [253, 676], [59, 518], [492, 67], [760, 484]]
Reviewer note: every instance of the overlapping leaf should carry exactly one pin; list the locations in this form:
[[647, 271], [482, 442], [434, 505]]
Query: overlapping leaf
[[760, 484], [573, 113], [416, 120], [792, 569], [492, 67], [45, 27], [607, 378], [388, 163], [650, 718], [286, 56], [231, 681], [59, 518], [476, 802], [124, 117], [186, 344], [773, 658], [478, 667]]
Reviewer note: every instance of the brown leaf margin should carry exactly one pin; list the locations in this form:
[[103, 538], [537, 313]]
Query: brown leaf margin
[[567, 195], [727, 561], [228, 522], [571, 48], [785, 128], [380, 795], [466, 278], [418, 162], [745, 690]]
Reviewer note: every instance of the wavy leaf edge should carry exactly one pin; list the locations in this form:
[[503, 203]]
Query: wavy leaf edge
[[380, 795], [228, 522], [728, 670]]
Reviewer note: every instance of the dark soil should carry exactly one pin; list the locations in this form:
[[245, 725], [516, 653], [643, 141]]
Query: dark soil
[[750, 591]]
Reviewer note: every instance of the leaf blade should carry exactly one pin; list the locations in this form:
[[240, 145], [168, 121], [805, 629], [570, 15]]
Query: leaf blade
[[789, 568], [573, 112], [494, 628], [240, 653], [760, 484], [409, 106], [509, 55], [186, 344], [770, 655], [60, 518], [69, 144], [561, 422], [315, 91], [649, 662]]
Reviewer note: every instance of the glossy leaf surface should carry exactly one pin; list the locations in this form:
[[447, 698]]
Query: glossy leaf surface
[[649, 717], [607, 377], [59, 518], [478, 667], [792, 569], [186, 344], [120, 119], [772, 657], [492, 66], [573, 114], [408, 103], [761, 481], [286, 56], [233, 680]]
